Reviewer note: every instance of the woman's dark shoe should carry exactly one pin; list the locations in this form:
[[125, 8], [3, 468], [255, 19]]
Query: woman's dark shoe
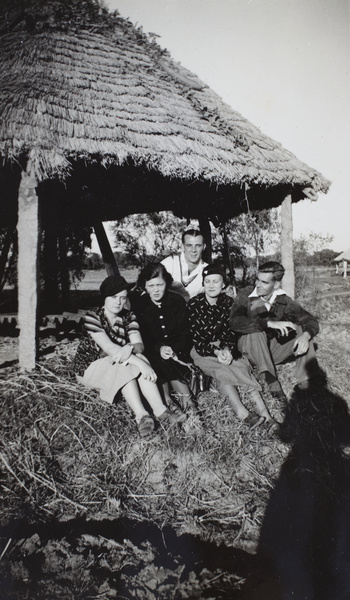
[[253, 421], [185, 401], [171, 417], [271, 426], [146, 427], [277, 392]]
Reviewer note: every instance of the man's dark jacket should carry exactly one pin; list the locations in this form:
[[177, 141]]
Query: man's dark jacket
[[249, 314]]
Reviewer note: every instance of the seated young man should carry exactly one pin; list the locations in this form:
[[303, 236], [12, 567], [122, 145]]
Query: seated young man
[[273, 327]]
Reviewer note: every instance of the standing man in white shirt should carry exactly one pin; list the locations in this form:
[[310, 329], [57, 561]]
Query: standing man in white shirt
[[186, 268]]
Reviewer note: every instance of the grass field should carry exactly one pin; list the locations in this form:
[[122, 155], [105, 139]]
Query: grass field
[[93, 279], [209, 510]]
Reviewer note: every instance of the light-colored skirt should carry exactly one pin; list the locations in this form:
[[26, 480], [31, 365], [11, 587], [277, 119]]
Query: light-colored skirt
[[107, 377], [238, 373]]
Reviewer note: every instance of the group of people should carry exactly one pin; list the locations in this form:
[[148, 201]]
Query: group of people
[[144, 343]]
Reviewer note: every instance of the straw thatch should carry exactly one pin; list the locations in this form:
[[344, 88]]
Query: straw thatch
[[81, 87], [343, 256]]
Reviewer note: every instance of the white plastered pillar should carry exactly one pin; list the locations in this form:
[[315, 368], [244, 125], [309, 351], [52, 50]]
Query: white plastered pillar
[[28, 231], [287, 246]]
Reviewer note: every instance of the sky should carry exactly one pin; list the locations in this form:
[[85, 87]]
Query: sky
[[282, 64]]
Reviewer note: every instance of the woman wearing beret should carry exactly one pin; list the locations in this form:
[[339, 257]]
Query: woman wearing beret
[[110, 359], [215, 347]]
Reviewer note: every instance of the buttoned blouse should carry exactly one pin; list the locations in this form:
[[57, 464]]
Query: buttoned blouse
[[164, 323]]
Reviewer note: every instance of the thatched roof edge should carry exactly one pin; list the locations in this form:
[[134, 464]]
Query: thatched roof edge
[[109, 94]]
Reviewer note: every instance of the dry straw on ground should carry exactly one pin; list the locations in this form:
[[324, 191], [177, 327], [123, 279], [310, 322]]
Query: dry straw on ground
[[65, 452]]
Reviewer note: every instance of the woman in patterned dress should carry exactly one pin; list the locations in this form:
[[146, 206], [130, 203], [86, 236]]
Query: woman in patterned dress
[[110, 357], [215, 346]]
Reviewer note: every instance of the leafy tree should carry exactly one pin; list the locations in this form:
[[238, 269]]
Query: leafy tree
[[304, 251], [63, 253], [243, 239], [325, 257], [147, 237], [305, 247], [94, 261]]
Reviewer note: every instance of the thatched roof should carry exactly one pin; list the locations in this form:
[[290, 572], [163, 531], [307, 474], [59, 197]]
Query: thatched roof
[[343, 256], [95, 91]]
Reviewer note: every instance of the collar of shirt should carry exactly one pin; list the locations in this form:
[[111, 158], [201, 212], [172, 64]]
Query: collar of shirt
[[217, 304], [184, 267], [268, 303], [165, 301]]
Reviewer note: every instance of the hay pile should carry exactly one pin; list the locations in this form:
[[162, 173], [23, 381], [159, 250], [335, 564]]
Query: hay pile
[[66, 453], [146, 510]]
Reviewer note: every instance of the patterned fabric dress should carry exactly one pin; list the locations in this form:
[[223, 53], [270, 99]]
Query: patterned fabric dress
[[210, 330], [93, 367]]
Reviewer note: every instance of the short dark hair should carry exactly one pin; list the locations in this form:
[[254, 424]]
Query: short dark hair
[[152, 270], [273, 267], [192, 232]]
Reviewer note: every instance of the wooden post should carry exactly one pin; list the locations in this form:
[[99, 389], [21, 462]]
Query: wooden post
[[8, 242], [287, 246], [336, 268], [227, 255], [63, 269], [106, 250], [345, 267], [28, 231], [204, 226]]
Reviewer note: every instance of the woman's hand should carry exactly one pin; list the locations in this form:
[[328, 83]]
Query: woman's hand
[[166, 352], [147, 372], [225, 356], [122, 354], [143, 365]]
